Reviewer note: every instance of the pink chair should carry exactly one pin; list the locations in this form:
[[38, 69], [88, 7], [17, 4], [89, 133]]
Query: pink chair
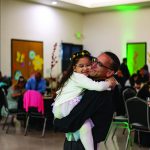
[[33, 100]]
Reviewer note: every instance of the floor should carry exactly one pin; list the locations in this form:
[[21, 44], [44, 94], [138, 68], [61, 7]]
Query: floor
[[15, 140]]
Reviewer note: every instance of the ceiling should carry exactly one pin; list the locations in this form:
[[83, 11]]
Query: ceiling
[[90, 6]]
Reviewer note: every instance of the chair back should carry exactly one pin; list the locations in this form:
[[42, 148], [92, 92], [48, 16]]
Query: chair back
[[128, 93], [138, 111], [33, 98]]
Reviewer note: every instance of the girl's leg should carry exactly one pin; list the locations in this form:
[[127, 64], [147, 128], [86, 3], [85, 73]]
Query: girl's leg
[[86, 135]]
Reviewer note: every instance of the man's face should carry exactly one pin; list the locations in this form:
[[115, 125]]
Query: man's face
[[102, 68], [38, 76]]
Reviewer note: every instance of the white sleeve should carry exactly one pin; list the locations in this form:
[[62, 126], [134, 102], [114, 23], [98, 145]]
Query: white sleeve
[[87, 83]]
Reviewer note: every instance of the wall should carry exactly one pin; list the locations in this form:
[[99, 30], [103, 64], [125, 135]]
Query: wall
[[29, 21], [112, 30], [101, 31]]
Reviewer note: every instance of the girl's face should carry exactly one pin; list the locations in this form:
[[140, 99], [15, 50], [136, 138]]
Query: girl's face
[[83, 66]]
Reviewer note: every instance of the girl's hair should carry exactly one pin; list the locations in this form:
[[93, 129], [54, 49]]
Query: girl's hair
[[74, 60]]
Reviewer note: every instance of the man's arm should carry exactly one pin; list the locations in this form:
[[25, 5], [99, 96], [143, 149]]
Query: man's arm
[[90, 103], [42, 86]]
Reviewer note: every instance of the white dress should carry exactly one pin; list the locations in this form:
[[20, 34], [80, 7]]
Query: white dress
[[71, 93]]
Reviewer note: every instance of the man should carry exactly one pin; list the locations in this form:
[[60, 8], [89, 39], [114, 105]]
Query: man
[[124, 69], [98, 106], [37, 83]]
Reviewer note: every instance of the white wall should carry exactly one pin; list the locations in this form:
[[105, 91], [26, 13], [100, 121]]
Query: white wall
[[112, 30], [29, 21], [101, 31]]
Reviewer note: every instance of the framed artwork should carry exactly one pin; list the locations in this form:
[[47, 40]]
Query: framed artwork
[[136, 56], [26, 58]]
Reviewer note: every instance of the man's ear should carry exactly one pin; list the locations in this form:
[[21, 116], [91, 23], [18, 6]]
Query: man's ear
[[110, 73]]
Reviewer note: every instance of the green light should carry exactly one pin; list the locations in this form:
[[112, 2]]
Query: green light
[[126, 8]]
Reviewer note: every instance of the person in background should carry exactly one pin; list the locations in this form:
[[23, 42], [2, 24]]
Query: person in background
[[146, 70], [37, 83], [131, 81], [124, 69], [144, 91], [2, 101], [1, 78], [14, 94], [143, 75], [138, 85], [2, 83], [120, 78]]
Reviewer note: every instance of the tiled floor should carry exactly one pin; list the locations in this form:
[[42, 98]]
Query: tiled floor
[[15, 140]]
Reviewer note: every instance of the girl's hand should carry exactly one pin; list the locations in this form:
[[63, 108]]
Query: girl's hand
[[112, 82]]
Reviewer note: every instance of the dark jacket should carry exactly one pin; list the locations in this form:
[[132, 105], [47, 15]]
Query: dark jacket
[[98, 106]]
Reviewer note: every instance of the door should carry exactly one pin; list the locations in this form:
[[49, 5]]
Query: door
[[67, 51]]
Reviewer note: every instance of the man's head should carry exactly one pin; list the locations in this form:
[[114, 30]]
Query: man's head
[[38, 75], [125, 60], [105, 66]]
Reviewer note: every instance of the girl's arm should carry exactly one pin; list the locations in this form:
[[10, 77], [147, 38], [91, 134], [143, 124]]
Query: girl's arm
[[87, 83]]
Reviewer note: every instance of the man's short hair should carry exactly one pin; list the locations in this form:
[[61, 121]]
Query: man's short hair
[[116, 62]]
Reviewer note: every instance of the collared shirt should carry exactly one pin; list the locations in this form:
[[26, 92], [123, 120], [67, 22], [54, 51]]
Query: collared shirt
[[32, 85]]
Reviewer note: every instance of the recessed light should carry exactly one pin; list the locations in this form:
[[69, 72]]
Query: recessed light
[[54, 2]]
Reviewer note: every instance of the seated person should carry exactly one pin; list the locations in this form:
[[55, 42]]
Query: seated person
[[138, 85], [15, 93], [37, 83], [144, 92]]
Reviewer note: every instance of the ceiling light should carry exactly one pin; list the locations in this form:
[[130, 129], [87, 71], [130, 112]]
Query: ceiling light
[[54, 2]]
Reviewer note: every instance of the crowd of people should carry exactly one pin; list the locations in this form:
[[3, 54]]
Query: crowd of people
[[14, 92], [136, 80]]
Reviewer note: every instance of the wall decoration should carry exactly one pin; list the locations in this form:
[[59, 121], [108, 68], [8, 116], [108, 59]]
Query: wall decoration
[[54, 59], [32, 54], [37, 63], [17, 74], [26, 57], [136, 56], [20, 57]]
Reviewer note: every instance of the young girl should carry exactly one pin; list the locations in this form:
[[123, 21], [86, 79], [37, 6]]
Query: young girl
[[71, 90]]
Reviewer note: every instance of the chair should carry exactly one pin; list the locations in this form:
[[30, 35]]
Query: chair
[[2, 100], [8, 110], [34, 106], [121, 121], [138, 112], [128, 93], [118, 122]]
